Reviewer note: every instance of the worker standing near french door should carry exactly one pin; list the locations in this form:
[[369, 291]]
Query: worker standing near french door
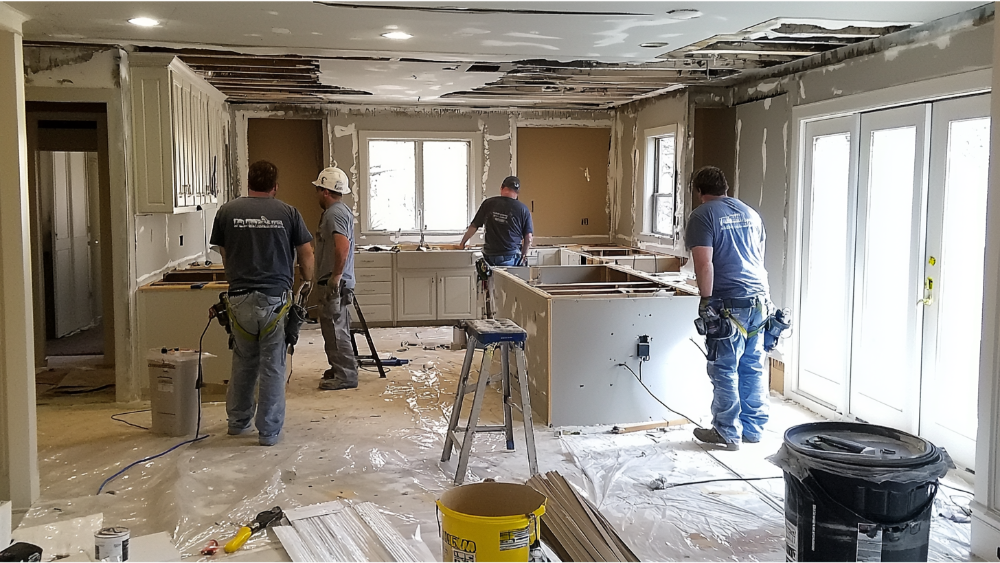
[[726, 240]]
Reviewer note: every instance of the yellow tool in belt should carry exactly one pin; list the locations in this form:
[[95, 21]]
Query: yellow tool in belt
[[263, 520]]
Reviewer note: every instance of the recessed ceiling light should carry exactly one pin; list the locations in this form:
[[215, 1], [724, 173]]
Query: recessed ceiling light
[[144, 22], [397, 35], [654, 45], [684, 14]]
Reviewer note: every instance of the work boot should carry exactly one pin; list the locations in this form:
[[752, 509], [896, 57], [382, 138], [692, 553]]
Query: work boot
[[332, 384], [712, 436], [269, 440], [238, 431]]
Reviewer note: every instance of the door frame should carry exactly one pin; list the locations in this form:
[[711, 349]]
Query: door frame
[[129, 364], [957, 85]]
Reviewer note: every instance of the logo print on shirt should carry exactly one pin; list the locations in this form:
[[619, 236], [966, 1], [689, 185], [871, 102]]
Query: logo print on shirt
[[500, 217], [733, 222], [262, 223]]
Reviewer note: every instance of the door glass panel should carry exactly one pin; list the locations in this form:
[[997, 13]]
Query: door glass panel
[[826, 299], [446, 185], [960, 289], [393, 198], [882, 360]]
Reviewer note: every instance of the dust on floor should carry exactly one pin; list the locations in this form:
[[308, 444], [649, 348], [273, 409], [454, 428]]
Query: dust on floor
[[382, 443]]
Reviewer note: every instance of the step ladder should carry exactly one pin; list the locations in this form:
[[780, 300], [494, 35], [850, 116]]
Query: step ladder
[[368, 336], [490, 334]]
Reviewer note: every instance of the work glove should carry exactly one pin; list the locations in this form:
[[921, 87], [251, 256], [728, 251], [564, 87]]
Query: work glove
[[703, 306], [304, 290]]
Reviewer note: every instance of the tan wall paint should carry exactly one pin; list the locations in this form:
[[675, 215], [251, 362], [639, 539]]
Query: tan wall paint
[[564, 181], [295, 146]]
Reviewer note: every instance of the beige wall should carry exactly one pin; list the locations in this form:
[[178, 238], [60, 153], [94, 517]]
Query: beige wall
[[564, 179], [295, 146]]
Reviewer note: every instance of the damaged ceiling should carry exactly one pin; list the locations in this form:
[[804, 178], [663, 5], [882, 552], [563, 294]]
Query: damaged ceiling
[[501, 54]]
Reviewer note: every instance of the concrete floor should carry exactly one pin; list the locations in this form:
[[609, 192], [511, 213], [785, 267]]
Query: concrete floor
[[382, 443]]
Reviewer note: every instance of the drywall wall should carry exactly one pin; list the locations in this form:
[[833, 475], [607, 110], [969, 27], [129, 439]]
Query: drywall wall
[[761, 177], [496, 154], [564, 180], [629, 161], [73, 66], [165, 241], [765, 130], [952, 45]]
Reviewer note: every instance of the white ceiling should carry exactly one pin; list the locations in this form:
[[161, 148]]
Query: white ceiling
[[504, 32]]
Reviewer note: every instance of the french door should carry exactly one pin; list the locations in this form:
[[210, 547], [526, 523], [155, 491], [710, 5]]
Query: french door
[[893, 236]]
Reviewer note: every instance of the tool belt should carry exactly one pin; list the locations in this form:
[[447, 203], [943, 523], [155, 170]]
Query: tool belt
[[268, 328]]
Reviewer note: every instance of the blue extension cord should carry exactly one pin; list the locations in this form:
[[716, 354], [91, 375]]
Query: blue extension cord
[[197, 429]]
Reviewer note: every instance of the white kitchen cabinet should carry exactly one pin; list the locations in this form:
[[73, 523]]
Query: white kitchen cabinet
[[181, 132], [416, 295], [373, 287], [456, 294], [428, 295]]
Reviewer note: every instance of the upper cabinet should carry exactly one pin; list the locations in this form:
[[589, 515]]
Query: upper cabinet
[[181, 136]]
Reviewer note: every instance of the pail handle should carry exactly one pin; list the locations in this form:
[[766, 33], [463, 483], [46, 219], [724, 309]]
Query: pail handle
[[814, 486], [437, 516]]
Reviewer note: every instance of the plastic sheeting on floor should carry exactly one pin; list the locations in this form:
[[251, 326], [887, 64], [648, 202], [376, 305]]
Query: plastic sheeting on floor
[[382, 443]]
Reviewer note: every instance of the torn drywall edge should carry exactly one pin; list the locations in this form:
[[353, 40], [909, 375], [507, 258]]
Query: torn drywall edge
[[484, 132], [636, 193], [736, 180], [612, 167], [79, 67], [784, 226], [932, 33], [763, 174]]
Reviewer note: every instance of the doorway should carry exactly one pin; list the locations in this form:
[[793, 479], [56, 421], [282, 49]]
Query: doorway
[[894, 232], [70, 234]]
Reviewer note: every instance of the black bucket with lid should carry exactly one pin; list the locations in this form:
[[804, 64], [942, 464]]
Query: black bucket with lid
[[858, 492]]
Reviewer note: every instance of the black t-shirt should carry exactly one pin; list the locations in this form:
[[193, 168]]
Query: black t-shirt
[[260, 236], [507, 222]]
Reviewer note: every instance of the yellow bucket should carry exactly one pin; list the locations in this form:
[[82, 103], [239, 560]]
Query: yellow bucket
[[490, 522]]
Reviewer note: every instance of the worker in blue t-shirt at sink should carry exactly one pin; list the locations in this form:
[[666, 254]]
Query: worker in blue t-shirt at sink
[[508, 227]]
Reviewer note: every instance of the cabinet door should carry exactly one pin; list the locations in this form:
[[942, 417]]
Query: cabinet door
[[177, 120], [416, 296], [456, 294]]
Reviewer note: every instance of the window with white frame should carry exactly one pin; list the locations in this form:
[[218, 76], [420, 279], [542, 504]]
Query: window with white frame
[[660, 186], [418, 181]]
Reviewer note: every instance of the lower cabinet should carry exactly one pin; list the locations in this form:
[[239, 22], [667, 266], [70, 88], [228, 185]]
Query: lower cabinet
[[423, 295]]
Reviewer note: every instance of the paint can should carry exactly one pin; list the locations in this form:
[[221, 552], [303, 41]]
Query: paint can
[[111, 544]]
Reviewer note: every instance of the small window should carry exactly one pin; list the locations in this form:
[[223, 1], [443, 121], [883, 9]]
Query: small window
[[660, 186], [418, 184], [663, 186]]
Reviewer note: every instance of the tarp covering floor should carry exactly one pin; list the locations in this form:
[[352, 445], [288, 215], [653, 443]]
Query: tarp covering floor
[[382, 443]]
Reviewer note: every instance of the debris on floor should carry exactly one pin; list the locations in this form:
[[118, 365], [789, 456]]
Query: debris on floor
[[381, 443]]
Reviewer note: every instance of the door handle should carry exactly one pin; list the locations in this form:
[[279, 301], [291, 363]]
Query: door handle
[[928, 298]]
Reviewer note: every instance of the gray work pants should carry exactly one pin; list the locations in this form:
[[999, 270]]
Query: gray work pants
[[335, 321], [258, 361]]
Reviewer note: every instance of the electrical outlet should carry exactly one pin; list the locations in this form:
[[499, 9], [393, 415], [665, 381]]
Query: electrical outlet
[[642, 348]]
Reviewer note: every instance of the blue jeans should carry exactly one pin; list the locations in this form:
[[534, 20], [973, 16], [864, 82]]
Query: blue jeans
[[504, 260], [258, 361], [740, 404]]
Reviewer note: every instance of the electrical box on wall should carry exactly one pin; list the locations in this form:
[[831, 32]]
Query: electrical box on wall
[[642, 348]]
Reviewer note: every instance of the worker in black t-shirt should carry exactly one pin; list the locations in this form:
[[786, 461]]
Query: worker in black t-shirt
[[508, 226]]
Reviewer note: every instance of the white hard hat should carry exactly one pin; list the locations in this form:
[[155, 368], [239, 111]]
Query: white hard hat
[[333, 179]]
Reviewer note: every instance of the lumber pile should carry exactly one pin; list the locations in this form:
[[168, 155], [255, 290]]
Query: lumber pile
[[573, 527]]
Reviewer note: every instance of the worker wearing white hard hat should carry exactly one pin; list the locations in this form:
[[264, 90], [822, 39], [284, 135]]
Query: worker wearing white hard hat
[[335, 276]]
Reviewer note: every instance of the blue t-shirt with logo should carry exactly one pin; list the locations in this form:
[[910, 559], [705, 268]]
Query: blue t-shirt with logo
[[735, 233]]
